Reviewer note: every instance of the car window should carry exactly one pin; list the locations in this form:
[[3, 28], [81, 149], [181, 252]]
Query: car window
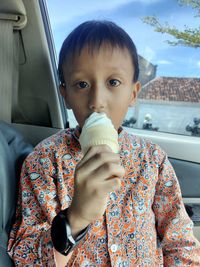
[[169, 68]]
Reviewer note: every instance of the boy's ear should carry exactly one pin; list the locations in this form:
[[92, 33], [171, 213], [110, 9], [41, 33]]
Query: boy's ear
[[135, 92], [64, 95]]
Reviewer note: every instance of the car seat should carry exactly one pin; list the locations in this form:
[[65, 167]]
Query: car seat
[[13, 150]]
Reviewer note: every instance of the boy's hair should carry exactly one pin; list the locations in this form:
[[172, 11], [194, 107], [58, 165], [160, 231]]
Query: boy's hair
[[93, 34]]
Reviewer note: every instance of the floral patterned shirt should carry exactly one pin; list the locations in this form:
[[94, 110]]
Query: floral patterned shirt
[[145, 223]]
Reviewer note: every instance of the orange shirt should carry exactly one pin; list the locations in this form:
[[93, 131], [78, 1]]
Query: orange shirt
[[145, 223]]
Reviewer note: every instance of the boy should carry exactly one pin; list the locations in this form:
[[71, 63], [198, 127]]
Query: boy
[[107, 209]]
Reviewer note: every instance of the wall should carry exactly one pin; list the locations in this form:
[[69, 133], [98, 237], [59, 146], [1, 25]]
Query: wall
[[170, 117]]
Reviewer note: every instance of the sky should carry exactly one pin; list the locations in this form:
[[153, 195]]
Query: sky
[[171, 61]]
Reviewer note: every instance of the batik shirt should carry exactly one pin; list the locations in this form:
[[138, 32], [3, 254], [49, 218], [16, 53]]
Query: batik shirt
[[144, 224]]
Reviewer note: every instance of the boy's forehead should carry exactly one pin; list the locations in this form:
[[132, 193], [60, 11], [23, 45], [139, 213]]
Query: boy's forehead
[[94, 50], [113, 57]]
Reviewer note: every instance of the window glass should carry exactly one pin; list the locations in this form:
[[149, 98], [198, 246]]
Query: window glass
[[170, 74]]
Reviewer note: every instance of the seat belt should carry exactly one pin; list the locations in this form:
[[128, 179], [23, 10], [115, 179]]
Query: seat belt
[[6, 69], [9, 63]]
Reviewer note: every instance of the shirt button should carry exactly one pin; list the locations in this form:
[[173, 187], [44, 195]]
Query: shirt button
[[114, 248]]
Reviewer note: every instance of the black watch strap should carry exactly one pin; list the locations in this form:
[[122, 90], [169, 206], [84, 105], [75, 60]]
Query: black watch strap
[[61, 235]]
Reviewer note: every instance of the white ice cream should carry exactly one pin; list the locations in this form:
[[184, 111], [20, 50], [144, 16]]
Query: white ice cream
[[97, 119], [98, 129]]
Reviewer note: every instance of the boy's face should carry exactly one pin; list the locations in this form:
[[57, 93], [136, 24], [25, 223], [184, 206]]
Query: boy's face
[[101, 81]]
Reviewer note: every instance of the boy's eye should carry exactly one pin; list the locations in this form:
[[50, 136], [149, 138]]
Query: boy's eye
[[114, 82], [82, 85]]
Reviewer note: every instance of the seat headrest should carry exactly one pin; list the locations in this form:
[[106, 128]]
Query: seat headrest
[[15, 11]]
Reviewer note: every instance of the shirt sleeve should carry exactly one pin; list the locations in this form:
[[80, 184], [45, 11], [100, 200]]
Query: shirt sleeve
[[30, 240], [174, 227]]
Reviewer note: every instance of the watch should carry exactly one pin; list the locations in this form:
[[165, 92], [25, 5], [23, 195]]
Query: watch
[[61, 234]]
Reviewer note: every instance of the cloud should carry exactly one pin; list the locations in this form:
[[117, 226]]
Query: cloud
[[163, 62], [64, 12], [66, 15], [149, 53]]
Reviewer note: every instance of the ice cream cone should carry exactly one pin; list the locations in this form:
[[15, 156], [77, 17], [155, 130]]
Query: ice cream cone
[[98, 130]]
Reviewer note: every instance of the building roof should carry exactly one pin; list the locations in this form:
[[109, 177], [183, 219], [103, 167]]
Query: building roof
[[172, 89]]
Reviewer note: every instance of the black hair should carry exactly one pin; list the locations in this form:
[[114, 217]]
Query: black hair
[[93, 34]]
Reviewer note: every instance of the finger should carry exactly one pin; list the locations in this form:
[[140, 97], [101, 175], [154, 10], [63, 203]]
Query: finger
[[107, 171], [104, 160], [97, 153], [93, 150], [113, 184]]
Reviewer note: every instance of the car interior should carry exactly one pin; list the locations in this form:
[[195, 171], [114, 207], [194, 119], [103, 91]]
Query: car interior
[[32, 109]]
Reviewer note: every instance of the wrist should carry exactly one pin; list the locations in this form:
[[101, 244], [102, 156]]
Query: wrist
[[76, 223], [61, 234]]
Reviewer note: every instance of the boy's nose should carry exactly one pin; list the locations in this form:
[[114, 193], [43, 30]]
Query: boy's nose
[[97, 99]]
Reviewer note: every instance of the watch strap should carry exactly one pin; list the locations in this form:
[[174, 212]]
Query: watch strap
[[61, 234]]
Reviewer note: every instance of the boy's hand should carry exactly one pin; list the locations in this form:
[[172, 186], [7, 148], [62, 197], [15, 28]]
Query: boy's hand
[[96, 175]]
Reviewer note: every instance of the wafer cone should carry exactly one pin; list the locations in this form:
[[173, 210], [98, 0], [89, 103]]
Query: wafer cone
[[99, 135]]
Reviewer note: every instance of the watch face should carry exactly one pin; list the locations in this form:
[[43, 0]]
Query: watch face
[[58, 233]]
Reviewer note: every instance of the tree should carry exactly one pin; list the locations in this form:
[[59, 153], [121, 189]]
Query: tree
[[187, 37]]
